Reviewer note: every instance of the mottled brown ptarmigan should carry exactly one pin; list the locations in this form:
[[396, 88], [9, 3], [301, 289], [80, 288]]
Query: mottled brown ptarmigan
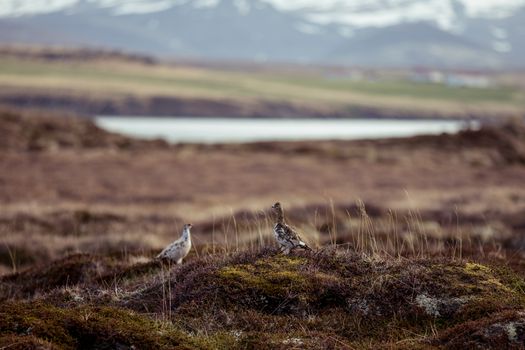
[[286, 237], [178, 250]]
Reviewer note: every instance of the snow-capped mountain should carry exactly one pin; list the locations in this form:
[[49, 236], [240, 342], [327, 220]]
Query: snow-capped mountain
[[459, 33]]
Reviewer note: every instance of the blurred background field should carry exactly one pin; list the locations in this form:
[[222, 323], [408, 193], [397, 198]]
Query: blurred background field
[[110, 83], [71, 186]]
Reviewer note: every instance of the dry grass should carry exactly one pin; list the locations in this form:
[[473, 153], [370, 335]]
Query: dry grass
[[69, 186]]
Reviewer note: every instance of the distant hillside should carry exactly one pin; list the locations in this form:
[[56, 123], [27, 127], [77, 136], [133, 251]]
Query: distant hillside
[[105, 82], [67, 54], [414, 44], [451, 33]]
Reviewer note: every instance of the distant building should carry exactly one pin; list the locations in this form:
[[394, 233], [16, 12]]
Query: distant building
[[452, 79], [468, 80]]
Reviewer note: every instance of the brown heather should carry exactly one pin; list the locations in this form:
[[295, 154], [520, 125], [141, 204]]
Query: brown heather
[[418, 242]]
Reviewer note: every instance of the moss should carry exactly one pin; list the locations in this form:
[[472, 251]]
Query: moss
[[239, 301], [511, 279], [276, 285], [484, 274], [479, 290], [89, 327], [24, 342], [266, 281], [219, 340], [475, 268], [37, 319], [270, 276], [466, 279], [279, 284], [505, 330]]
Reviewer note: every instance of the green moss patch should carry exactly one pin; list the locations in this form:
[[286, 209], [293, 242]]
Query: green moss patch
[[279, 284], [278, 277], [87, 327]]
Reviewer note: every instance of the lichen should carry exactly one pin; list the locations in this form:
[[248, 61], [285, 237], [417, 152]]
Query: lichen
[[511, 331], [430, 305], [440, 307]]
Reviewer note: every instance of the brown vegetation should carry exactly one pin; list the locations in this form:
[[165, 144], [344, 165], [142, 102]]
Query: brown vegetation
[[38, 131], [71, 54], [329, 298], [418, 241]]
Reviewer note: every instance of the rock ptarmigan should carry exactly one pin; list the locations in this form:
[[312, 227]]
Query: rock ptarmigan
[[178, 250], [287, 238]]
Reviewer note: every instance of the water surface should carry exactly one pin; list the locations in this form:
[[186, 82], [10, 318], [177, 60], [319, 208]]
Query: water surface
[[225, 130]]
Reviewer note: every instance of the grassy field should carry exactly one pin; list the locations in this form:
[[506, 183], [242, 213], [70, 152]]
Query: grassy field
[[313, 88]]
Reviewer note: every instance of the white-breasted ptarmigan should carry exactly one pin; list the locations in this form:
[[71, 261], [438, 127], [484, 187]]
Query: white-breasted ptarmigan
[[178, 250], [287, 238]]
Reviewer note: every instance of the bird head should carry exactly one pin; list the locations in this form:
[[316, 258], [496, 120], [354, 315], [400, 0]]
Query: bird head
[[277, 209], [187, 226]]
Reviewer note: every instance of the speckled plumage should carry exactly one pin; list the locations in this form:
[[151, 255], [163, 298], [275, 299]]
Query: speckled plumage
[[178, 250], [286, 237]]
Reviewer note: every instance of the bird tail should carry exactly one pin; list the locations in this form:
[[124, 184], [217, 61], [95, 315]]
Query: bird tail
[[304, 246]]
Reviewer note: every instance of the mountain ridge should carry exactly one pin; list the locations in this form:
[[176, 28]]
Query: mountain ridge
[[447, 34]]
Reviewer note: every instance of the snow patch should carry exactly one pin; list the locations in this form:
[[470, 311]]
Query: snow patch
[[16, 8], [205, 3], [243, 6], [139, 7], [382, 13], [492, 8], [358, 13]]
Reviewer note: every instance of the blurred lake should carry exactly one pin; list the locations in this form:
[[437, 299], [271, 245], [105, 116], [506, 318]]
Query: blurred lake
[[234, 130]]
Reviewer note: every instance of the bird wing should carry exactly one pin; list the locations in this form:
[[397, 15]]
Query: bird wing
[[291, 235], [165, 251], [169, 248], [298, 241]]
